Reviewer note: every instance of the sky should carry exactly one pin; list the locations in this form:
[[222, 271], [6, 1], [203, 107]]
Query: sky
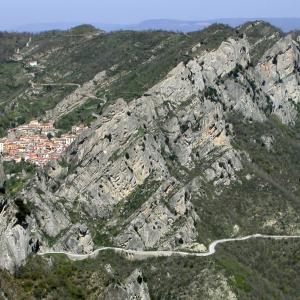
[[19, 12]]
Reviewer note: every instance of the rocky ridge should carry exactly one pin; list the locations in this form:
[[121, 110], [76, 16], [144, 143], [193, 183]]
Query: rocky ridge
[[134, 174]]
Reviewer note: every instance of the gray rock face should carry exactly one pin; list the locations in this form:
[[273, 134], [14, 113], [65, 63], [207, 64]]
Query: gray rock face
[[268, 142], [2, 174], [278, 71], [133, 287], [18, 236], [77, 240], [129, 143], [115, 157], [223, 170], [48, 211], [155, 224]]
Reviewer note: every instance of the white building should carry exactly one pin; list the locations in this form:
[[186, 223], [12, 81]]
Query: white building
[[33, 64], [68, 139]]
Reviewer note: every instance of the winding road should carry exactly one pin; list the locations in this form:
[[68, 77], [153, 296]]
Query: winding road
[[142, 254]]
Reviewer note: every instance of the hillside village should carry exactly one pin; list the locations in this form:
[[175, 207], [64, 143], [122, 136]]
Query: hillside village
[[37, 142]]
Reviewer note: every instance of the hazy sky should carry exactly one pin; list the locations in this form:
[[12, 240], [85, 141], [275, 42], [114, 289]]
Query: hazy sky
[[16, 12]]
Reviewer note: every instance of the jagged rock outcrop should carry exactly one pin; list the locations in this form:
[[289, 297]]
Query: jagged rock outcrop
[[77, 240], [278, 72], [158, 218], [18, 234], [48, 211], [268, 142], [134, 287]]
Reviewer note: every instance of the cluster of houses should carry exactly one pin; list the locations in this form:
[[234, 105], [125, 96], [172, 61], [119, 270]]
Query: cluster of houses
[[36, 142]]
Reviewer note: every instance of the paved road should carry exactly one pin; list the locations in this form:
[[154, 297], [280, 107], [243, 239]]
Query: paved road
[[140, 254]]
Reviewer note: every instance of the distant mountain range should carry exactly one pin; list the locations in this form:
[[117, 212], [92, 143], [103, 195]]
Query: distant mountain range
[[285, 24]]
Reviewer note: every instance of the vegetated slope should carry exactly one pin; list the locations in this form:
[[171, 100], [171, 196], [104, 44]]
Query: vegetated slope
[[132, 62], [10, 42], [209, 151], [257, 269]]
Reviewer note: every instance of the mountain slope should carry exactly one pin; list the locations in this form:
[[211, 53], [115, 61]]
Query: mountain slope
[[208, 151], [127, 63], [247, 270]]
